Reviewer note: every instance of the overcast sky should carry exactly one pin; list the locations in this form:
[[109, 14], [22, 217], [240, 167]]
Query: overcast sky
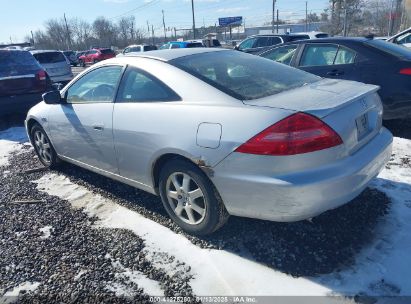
[[18, 17]]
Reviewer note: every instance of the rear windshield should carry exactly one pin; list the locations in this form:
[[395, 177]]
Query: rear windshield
[[298, 37], [390, 48], [106, 51], [243, 76], [50, 57], [149, 48], [16, 62], [322, 35], [194, 45]]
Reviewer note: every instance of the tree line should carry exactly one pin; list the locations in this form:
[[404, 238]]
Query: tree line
[[78, 34], [341, 17]]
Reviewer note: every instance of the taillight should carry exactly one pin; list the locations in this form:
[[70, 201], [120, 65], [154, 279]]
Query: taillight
[[406, 71], [41, 75], [295, 134]]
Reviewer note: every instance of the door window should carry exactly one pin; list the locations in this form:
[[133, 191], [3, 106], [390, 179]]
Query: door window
[[322, 55], [175, 46], [282, 54], [406, 38], [262, 41], [247, 44], [97, 86], [274, 41], [138, 86]]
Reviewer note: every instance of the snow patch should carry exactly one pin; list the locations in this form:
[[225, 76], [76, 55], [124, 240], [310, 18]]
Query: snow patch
[[46, 232], [10, 142], [23, 287], [150, 287], [216, 272]]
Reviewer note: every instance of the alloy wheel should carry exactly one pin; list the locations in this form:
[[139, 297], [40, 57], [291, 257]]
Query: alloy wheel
[[186, 198], [42, 146]]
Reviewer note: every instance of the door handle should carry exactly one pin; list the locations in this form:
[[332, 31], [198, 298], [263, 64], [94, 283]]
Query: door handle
[[335, 73], [98, 127]]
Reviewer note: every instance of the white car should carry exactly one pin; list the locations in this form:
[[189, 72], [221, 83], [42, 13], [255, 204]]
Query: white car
[[56, 65], [402, 38], [137, 48]]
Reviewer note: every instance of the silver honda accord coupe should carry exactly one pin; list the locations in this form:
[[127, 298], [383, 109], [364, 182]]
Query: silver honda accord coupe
[[217, 133]]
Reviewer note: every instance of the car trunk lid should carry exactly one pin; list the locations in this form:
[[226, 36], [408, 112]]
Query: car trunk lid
[[352, 109]]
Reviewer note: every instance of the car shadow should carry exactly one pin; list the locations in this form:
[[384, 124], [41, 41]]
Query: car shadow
[[399, 128], [325, 244]]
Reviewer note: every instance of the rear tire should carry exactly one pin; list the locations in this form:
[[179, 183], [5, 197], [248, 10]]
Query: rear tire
[[190, 199], [43, 147]]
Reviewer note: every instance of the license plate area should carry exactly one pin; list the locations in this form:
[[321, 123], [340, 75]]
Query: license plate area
[[363, 127]]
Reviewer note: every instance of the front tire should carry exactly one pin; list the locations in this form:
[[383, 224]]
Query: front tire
[[43, 147], [190, 199]]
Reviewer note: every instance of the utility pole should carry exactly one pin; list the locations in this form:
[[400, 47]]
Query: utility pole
[[164, 25], [175, 33], [152, 33], [273, 21], [194, 20], [277, 22], [32, 37], [345, 19], [306, 16], [67, 33]]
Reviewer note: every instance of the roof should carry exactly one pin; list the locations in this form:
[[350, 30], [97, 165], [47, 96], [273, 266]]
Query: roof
[[329, 40], [43, 51], [170, 54]]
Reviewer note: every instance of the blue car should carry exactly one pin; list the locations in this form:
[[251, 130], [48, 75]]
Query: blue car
[[181, 44]]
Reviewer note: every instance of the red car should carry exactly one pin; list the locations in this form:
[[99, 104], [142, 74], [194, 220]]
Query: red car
[[96, 55]]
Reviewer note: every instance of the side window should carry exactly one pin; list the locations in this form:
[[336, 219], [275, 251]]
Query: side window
[[139, 86], [126, 50], [344, 56], [175, 46], [274, 41], [282, 54], [262, 41], [96, 86], [318, 55], [247, 44], [406, 38]]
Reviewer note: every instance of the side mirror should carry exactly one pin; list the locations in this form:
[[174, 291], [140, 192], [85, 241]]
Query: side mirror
[[52, 97]]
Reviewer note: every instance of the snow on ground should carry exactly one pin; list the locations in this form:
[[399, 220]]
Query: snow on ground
[[150, 287], [10, 140], [216, 272], [46, 230], [26, 286], [383, 268]]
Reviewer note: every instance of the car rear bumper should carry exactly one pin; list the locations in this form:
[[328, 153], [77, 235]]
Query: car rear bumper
[[19, 103], [303, 194]]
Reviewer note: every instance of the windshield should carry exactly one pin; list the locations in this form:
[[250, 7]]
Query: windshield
[[106, 51], [150, 48], [390, 48], [243, 76], [50, 57], [194, 45]]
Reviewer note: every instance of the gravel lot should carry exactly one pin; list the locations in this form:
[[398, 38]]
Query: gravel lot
[[70, 258]]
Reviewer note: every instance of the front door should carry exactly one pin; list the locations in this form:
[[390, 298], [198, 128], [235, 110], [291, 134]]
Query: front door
[[82, 128]]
